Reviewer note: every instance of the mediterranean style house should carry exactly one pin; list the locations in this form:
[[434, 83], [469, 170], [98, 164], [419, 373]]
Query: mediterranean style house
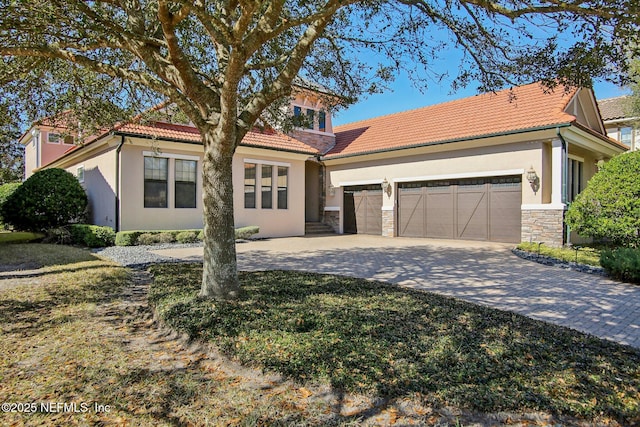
[[496, 167], [619, 123]]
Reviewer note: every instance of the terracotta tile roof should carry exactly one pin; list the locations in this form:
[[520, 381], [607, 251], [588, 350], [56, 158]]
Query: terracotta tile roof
[[614, 108], [520, 108], [262, 138]]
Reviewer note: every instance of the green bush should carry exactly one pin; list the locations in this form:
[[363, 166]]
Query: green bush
[[139, 237], [154, 237], [246, 232], [622, 263], [49, 198], [93, 236], [187, 237], [609, 208], [127, 238], [5, 191]]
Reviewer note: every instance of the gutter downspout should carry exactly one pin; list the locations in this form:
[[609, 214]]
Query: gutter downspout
[[117, 213], [565, 177]]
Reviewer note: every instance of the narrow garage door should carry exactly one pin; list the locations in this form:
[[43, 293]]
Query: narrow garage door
[[473, 209], [363, 209]]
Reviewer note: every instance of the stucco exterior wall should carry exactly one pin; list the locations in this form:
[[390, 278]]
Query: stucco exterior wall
[[272, 222], [506, 159], [99, 184]]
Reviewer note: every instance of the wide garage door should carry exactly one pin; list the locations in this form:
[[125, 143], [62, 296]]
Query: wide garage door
[[473, 209], [363, 209]]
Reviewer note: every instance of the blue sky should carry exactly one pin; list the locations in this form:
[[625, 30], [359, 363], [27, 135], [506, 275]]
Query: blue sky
[[403, 96]]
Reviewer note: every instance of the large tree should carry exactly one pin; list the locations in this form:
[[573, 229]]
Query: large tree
[[227, 64], [11, 154]]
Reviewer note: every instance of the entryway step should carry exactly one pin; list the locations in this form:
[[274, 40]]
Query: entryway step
[[317, 228]]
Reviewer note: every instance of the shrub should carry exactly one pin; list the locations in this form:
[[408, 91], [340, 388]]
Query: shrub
[[622, 263], [127, 238], [187, 237], [49, 198], [93, 236], [5, 191], [59, 236], [153, 237], [609, 208], [246, 232]]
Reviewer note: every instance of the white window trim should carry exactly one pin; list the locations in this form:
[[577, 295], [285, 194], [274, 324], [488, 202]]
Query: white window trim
[[170, 156], [363, 182], [574, 157], [267, 162]]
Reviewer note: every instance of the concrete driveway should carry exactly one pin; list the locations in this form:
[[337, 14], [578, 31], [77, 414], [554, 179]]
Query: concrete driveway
[[479, 272]]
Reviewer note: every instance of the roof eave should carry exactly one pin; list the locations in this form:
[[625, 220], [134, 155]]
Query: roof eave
[[449, 141]]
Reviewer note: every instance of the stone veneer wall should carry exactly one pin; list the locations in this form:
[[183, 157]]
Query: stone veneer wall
[[543, 225], [388, 222], [322, 142], [332, 218]]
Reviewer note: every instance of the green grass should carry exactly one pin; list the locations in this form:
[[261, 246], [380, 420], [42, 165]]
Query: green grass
[[581, 254], [19, 237], [37, 255], [368, 337]]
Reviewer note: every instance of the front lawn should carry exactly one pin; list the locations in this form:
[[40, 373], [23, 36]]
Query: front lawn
[[367, 337]]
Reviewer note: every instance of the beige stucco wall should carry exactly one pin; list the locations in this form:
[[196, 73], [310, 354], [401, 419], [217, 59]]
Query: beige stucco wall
[[30, 157], [99, 184], [272, 222], [433, 163]]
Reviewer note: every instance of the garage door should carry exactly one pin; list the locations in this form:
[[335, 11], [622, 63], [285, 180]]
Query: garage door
[[473, 209], [363, 209]]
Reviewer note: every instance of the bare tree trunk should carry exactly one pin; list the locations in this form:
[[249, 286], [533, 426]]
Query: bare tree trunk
[[220, 270]]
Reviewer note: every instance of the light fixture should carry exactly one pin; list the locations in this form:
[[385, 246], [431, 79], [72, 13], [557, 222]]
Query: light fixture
[[332, 190], [533, 179], [386, 187]]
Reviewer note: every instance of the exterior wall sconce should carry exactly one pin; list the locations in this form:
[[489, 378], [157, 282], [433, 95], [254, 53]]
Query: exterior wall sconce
[[386, 187], [533, 179], [332, 190]]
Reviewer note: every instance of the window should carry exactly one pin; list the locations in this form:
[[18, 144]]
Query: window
[[80, 174], [625, 136], [297, 111], [283, 183], [322, 121], [267, 186], [185, 185], [310, 118], [155, 182], [249, 185], [53, 138], [575, 179]]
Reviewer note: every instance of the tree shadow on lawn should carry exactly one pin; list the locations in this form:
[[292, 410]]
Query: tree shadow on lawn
[[367, 337], [487, 276], [30, 315]]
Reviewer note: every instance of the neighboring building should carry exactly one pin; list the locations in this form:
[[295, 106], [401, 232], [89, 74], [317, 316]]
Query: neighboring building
[[497, 167], [618, 122]]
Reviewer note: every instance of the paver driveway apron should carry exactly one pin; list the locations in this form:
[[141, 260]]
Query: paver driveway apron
[[480, 272]]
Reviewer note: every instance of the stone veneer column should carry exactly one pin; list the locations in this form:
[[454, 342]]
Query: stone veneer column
[[388, 221], [543, 225], [332, 218]]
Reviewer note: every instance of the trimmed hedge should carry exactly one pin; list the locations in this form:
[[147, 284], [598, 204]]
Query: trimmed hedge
[[148, 237], [622, 263], [93, 236]]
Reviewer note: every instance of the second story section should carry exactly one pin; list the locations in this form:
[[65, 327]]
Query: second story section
[[309, 107], [619, 122], [43, 144]]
